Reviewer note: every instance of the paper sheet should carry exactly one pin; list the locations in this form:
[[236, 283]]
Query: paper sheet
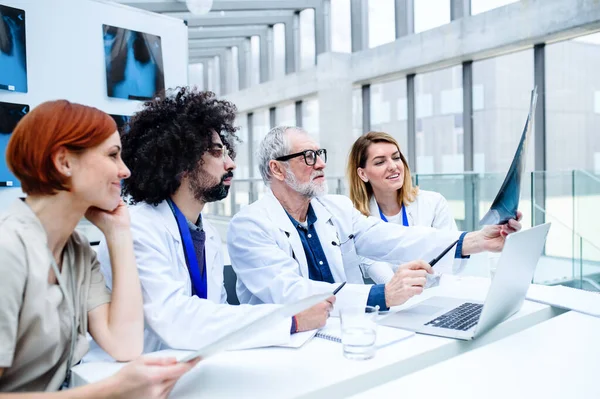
[[581, 301]]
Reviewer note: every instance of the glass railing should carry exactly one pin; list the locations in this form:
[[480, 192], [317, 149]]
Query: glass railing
[[586, 205], [570, 200]]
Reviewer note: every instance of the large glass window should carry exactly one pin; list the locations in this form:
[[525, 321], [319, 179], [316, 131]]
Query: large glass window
[[501, 94], [430, 14], [310, 116], [439, 127], [260, 128], [382, 22], [479, 6], [196, 75], [285, 114], [241, 160], [572, 104], [307, 38], [389, 110], [341, 40], [235, 70], [357, 112], [278, 50], [255, 60], [212, 81]]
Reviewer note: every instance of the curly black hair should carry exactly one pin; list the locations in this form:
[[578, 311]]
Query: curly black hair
[[168, 138]]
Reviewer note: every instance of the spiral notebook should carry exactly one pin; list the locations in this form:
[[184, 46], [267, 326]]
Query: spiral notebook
[[385, 335]]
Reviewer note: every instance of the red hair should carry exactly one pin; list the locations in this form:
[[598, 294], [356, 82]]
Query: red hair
[[43, 131]]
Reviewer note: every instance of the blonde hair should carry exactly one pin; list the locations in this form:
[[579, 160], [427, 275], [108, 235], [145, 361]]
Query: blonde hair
[[361, 192]]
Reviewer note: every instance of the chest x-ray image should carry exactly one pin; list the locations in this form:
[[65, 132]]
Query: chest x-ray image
[[134, 63], [10, 115], [13, 58], [506, 203]]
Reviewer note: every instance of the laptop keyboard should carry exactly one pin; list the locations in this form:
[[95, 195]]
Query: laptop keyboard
[[461, 318]]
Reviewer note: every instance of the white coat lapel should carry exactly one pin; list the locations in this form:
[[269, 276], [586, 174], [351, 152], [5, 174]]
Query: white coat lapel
[[281, 219], [327, 234], [373, 207], [412, 212], [170, 222], [211, 249]]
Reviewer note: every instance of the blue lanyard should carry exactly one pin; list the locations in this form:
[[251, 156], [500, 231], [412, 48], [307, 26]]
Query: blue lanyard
[[198, 276], [404, 217]]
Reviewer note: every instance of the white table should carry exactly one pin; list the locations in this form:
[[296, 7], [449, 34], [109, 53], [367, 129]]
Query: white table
[[559, 358], [318, 369]]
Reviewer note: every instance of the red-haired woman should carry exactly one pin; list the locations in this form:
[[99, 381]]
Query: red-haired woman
[[67, 157]]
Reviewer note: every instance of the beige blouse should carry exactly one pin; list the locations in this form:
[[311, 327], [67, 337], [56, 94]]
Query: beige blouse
[[35, 322]]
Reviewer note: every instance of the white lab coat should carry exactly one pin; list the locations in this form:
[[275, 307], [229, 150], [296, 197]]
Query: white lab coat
[[262, 244], [173, 317], [429, 209]]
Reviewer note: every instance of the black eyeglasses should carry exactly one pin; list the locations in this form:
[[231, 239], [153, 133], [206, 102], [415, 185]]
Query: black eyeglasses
[[310, 156]]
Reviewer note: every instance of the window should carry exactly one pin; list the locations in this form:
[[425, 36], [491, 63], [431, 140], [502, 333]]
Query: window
[[357, 112], [234, 79], [389, 110], [479, 6], [438, 104], [572, 121], [382, 22], [196, 75], [430, 14], [285, 114], [310, 116], [241, 159], [255, 60], [501, 94], [307, 38], [278, 50], [260, 128], [341, 41]]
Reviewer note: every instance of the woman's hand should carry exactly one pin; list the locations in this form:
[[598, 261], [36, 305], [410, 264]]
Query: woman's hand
[[148, 378], [108, 221]]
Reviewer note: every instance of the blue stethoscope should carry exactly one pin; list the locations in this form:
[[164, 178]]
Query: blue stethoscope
[[404, 217]]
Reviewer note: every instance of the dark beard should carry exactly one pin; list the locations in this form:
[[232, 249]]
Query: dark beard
[[210, 194]]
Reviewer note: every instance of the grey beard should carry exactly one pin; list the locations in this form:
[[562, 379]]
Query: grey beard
[[310, 189]]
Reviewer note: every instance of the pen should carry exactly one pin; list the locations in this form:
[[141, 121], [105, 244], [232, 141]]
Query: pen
[[339, 288], [440, 256]]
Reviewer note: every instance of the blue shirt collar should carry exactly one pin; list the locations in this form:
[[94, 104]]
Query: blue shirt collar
[[311, 218]]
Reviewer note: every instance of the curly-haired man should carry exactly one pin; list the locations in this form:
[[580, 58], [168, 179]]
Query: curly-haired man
[[180, 151]]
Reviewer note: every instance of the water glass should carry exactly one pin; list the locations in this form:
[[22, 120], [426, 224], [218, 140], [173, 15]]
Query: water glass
[[493, 259], [359, 331]]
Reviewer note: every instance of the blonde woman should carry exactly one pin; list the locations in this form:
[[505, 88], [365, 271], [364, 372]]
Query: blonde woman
[[381, 186]]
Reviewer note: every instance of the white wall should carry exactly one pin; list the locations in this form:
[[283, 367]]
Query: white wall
[[65, 54]]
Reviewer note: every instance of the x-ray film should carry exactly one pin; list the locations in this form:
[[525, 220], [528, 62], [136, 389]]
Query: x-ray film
[[506, 203]]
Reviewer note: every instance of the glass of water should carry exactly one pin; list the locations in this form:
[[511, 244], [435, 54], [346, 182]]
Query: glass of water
[[359, 331]]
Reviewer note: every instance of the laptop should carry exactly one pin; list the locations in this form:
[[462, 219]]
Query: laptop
[[465, 319]]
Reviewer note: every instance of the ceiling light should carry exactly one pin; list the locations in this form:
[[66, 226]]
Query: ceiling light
[[199, 7]]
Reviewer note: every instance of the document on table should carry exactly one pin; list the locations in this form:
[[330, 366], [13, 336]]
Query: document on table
[[299, 339], [257, 326], [385, 335], [581, 301], [506, 203]]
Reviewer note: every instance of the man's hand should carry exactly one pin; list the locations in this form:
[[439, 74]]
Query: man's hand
[[408, 281], [315, 317], [490, 238]]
